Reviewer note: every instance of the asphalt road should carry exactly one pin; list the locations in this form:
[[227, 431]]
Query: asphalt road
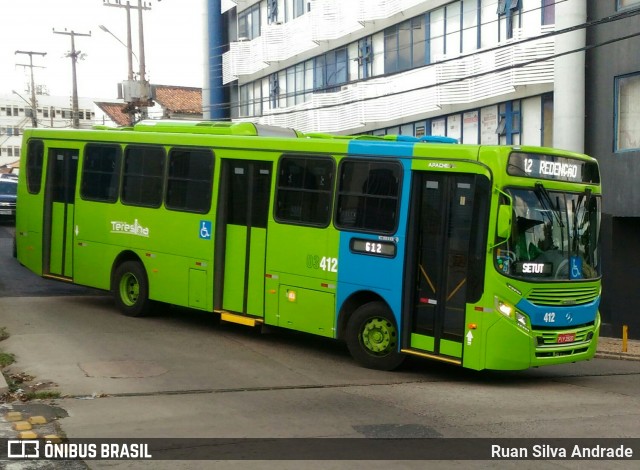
[[16, 281], [182, 374]]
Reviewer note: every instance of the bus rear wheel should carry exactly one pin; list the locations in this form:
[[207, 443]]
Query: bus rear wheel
[[372, 337], [131, 289]]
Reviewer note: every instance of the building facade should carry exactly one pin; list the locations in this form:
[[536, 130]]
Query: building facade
[[478, 70], [613, 136], [16, 114]]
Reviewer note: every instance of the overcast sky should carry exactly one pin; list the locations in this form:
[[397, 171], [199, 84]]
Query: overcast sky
[[173, 38]]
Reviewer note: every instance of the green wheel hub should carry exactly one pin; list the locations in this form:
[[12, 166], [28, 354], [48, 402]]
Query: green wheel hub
[[129, 289], [379, 336]]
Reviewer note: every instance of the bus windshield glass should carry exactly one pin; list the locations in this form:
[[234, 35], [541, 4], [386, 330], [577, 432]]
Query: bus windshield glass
[[554, 236]]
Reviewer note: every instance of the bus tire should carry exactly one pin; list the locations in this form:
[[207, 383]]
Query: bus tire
[[131, 289], [372, 337]]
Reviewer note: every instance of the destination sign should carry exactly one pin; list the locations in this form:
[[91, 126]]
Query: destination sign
[[552, 167], [373, 247], [533, 268]]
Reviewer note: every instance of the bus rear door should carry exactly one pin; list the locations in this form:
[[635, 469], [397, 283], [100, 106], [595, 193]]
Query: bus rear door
[[241, 236], [60, 190], [448, 210]]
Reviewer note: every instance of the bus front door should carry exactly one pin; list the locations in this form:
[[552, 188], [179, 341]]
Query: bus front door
[[241, 236], [62, 169], [443, 211]]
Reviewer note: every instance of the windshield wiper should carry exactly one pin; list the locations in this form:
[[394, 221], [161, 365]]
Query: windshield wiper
[[547, 203]]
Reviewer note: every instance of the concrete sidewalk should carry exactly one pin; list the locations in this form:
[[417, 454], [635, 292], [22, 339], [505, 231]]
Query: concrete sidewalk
[[608, 348], [613, 348]]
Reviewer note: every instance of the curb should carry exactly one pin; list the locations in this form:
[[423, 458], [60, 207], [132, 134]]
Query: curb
[[618, 356]]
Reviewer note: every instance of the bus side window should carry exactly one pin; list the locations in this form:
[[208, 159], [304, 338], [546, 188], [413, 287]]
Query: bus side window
[[35, 159], [143, 174], [189, 180], [100, 172], [368, 196], [304, 191]]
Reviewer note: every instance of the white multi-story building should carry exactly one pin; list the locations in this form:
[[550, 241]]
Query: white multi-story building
[[16, 114], [481, 71]]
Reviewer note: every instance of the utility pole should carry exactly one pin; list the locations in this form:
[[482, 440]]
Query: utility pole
[[137, 94], [34, 115], [74, 58]]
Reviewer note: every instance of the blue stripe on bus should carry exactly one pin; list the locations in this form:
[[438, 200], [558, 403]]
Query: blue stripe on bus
[[381, 148], [564, 317], [364, 272]]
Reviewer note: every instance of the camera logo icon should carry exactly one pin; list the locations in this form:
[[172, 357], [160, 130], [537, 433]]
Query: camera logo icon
[[23, 449]]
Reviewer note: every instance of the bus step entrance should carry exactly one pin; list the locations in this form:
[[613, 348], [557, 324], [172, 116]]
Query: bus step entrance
[[450, 360], [239, 319]]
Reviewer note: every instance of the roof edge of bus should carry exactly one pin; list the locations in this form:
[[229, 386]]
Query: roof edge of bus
[[431, 139], [213, 127]]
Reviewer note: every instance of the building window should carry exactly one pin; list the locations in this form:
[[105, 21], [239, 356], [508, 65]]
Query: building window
[[143, 175], [470, 21], [548, 12], [547, 120], [627, 118], [272, 11], [101, 173], [331, 70], [274, 91], [249, 23], [627, 4], [509, 17], [294, 9], [190, 180], [365, 58], [292, 85], [251, 99], [509, 123], [405, 45], [305, 186], [470, 127], [368, 196]]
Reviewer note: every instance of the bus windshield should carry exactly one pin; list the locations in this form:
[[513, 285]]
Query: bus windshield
[[554, 236]]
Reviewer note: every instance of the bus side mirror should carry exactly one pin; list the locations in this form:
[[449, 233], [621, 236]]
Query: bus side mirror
[[504, 221]]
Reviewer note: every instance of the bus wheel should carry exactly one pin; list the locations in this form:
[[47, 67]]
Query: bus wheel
[[131, 289], [372, 337]]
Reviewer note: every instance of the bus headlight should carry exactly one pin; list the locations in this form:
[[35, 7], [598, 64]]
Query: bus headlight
[[504, 308], [510, 311]]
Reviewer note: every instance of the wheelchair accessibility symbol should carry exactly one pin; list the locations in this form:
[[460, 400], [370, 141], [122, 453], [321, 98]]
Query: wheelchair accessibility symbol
[[205, 229], [576, 268]]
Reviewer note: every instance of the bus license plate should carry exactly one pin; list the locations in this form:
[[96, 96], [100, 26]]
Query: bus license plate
[[566, 338], [5, 211]]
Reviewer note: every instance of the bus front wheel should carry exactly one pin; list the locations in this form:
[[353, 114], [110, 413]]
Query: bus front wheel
[[131, 289], [372, 337]]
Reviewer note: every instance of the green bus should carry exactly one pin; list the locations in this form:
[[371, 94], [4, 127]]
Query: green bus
[[484, 257]]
